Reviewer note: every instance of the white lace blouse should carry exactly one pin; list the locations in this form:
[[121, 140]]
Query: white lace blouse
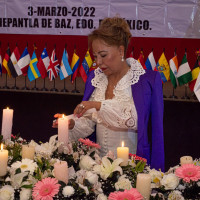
[[116, 121]]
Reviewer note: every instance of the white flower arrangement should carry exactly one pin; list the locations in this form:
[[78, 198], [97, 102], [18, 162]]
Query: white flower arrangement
[[90, 176]]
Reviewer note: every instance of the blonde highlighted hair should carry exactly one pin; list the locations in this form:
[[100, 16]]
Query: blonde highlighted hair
[[113, 31]]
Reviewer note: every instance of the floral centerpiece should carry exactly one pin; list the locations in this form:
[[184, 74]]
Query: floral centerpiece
[[90, 176]]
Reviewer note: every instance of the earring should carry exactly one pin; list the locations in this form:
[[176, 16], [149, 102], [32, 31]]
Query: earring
[[122, 59]]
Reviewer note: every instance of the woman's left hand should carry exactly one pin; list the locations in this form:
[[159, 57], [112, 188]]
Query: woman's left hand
[[86, 105]]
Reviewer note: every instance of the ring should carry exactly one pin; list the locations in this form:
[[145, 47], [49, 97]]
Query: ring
[[82, 106]]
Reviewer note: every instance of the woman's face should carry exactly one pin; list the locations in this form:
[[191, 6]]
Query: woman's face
[[108, 58]]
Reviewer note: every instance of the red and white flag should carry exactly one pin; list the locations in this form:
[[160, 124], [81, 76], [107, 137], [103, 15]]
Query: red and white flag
[[12, 63], [43, 63]]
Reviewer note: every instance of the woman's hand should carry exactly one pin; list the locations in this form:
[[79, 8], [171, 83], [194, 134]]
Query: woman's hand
[[86, 105], [71, 122]]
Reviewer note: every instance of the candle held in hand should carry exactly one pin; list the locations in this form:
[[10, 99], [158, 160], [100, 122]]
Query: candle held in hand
[[3, 161], [123, 153], [7, 122], [63, 131]]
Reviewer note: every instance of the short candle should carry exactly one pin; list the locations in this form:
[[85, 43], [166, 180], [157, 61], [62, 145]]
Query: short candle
[[186, 160], [3, 161], [28, 151], [123, 153], [143, 185], [61, 171]]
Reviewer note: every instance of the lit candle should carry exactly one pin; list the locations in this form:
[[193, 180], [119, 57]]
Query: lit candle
[[61, 171], [186, 160], [7, 122], [143, 185], [28, 151], [123, 153], [63, 131], [3, 161]]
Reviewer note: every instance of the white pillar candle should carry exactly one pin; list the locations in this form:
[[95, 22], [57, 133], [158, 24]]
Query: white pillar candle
[[3, 161], [143, 185], [7, 122], [123, 153], [186, 160], [61, 171], [63, 131], [28, 151]]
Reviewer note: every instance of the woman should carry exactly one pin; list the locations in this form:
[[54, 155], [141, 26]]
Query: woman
[[123, 97]]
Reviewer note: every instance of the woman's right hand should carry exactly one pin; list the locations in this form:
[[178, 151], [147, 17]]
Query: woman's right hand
[[71, 122]]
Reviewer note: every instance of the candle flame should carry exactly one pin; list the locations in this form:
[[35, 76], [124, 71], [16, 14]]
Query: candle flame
[[7, 108], [122, 143], [1, 146], [63, 116]]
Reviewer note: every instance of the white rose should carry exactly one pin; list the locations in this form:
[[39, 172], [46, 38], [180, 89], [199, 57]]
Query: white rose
[[91, 177], [102, 197], [123, 183], [175, 195], [170, 181], [25, 194], [156, 177], [7, 193], [68, 191], [86, 162]]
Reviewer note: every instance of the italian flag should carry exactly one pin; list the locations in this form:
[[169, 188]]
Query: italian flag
[[173, 63], [184, 74]]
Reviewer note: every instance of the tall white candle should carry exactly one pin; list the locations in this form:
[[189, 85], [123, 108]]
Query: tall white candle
[[123, 152], [63, 130], [28, 151], [7, 122], [143, 185], [3, 161], [61, 171], [186, 160]]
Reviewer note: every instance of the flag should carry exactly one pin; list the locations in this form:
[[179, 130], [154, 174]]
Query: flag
[[12, 63], [173, 63], [184, 74], [5, 61], [195, 73], [33, 72], [74, 66], [93, 67], [0, 63], [163, 67], [65, 69], [141, 60], [85, 66], [43, 63], [197, 87], [54, 67], [150, 62], [24, 61]]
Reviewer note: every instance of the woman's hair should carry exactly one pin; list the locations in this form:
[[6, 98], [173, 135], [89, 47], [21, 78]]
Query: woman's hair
[[113, 31]]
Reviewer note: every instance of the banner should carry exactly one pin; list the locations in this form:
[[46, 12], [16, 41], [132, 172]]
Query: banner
[[160, 18]]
